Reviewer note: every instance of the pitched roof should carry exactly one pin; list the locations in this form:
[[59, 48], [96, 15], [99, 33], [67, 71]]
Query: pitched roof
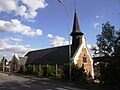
[[22, 60], [76, 28], [56, 55], [4, 59]]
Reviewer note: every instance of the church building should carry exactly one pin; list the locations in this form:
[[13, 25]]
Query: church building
[[16, 63], [59, 56]]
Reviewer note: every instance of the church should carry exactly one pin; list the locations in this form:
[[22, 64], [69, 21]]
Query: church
[[58, 56]]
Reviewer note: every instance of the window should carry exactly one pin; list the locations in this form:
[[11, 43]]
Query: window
[[84, 59]]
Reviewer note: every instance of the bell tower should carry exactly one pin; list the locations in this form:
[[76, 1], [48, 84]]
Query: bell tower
[[76, 34]]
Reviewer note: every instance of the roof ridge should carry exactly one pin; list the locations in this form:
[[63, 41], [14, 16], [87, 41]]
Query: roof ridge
[[48, 48]]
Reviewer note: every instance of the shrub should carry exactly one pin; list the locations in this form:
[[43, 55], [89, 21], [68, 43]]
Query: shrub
[[77, 74], [22, 69], [29, 69], [51, 71]]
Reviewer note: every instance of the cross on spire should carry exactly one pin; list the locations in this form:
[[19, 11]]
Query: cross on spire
[[75, 5]]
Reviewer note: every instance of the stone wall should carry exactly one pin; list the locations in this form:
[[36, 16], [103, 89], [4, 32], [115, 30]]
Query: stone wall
[[84, 59]]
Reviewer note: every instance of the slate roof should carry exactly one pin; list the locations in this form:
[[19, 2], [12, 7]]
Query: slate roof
[[56, 55], [76, 28]]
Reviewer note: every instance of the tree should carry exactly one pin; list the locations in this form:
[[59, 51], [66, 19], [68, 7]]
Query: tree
[[117, 44], [108, 44], [105, 40]]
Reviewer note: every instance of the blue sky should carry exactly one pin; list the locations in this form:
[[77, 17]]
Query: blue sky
[[35, 24]]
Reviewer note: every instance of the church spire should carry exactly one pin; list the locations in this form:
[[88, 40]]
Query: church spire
[[76, 33], [76, 28]]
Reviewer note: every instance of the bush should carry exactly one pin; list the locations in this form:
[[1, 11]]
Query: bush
[[113, 72], [77, 74], [22, 69], [29, 69], [51, 71], [44, 71], [65, 74]]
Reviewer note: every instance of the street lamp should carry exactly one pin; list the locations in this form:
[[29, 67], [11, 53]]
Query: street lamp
[[69, 50]]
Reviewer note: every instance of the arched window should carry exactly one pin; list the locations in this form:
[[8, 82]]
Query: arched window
[[84, 59]]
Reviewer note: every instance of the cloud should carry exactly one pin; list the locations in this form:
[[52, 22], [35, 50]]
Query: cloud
[[7, 49], [10, 40], [97, 17], [32, 6], [15, 26], [59, 41], [24, 8], [39, 32], [96, 25], [7, 5], [50, 35], [15, 39], [35, 4], [21, 11], [27, 45]]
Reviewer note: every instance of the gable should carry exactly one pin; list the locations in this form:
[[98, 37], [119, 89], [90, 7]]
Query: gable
[[14, 60], [81, 50], [22, 60], [83, 57]]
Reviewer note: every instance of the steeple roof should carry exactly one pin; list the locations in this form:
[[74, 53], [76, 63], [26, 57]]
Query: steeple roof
[[76, 28]]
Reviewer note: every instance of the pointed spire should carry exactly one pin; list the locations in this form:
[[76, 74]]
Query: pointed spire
[[76, 28], [76, 32]]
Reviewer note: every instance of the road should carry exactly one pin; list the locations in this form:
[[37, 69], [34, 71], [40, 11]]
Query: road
[[15, 82]]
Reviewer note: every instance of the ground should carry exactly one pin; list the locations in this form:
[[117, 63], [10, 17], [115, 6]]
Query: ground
[[14, 82], [23, 82]]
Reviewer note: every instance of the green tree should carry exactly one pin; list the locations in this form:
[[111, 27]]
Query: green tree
[[105, 40], [108, 44], [117, 44]]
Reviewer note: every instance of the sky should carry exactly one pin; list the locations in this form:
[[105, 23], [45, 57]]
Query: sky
[[27, 25]]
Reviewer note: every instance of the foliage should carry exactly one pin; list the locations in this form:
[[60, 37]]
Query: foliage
[[44, 71], [108, 70], [117, 44], [65, 71], [113, 71], [108, 48], [36, 71], [105, 40], [51, 71], [29, 69], [77, 74], [22, 69]]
